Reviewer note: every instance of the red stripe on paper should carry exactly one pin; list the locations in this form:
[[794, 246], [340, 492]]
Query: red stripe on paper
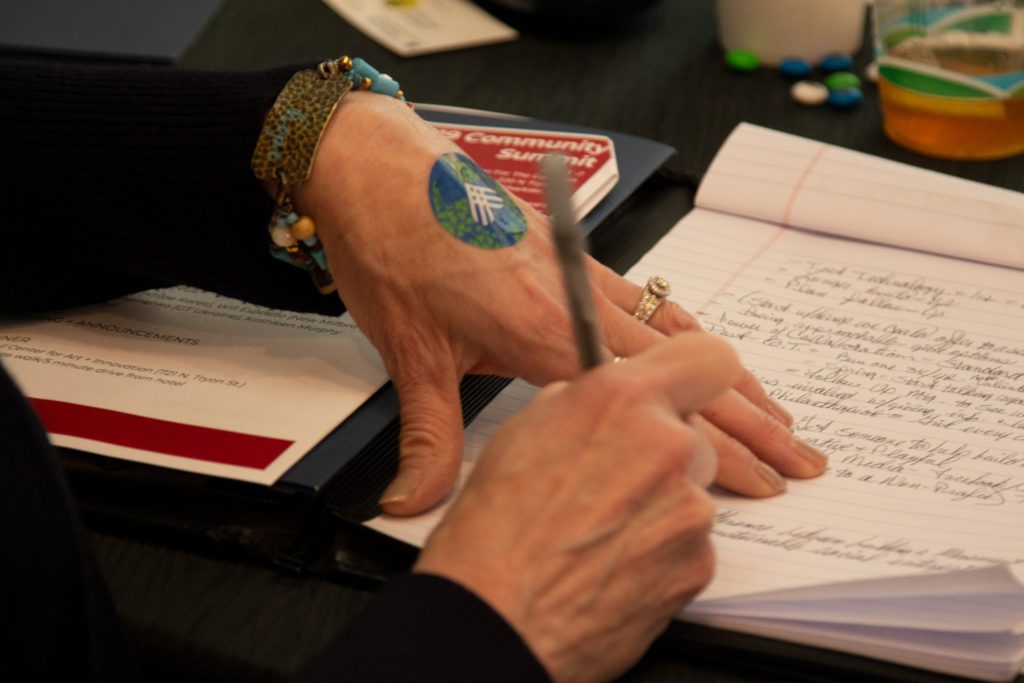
[[159, 436]]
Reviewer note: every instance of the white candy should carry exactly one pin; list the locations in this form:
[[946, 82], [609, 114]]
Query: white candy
[[871, 72], [810, 93]]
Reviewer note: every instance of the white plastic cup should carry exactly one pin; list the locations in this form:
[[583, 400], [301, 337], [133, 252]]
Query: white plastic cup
[[775, 30]]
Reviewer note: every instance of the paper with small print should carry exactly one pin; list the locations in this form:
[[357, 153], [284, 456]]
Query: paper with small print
[[425, 26], [190, 380]]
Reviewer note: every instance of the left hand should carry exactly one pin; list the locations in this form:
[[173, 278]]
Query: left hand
[[437, 309]]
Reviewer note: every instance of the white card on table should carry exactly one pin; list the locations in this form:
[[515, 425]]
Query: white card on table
[[424, 27]]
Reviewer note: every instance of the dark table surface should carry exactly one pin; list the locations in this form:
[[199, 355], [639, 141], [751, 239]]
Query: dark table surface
[[658, 74]]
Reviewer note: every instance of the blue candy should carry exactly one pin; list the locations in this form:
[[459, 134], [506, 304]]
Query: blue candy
[[836, 62], [846, 98], [795, 68]]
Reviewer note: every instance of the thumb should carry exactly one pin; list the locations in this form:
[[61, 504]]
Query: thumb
[[430, 446]]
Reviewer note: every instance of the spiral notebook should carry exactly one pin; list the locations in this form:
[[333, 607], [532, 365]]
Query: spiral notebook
[[884, 305]]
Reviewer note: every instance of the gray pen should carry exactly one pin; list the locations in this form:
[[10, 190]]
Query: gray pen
[[569, 243]]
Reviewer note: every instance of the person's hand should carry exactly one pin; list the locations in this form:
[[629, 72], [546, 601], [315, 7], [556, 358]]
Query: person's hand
[[437, 308], [585, 523], [750, 431]]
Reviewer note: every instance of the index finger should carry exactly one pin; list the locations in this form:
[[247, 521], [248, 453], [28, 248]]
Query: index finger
[[688, 370]]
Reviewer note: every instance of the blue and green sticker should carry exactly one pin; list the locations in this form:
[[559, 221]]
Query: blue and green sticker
[[472, 206]]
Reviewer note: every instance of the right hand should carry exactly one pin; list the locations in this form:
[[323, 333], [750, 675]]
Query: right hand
[[585, 524]]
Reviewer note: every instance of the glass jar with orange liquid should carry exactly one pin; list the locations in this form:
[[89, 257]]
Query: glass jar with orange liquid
[[952, 75]]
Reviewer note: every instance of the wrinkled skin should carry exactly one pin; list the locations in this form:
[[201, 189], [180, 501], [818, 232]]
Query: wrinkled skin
[[585, 523], [437, 309]]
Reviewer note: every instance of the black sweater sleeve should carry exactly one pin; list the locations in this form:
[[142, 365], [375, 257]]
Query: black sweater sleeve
[[117, 179], [424, 628]]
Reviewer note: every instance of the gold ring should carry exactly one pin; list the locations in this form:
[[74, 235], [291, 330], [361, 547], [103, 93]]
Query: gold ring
[[655, 291]]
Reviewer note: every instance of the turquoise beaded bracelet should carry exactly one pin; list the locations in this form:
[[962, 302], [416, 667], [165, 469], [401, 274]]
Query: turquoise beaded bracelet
[[287, 147]]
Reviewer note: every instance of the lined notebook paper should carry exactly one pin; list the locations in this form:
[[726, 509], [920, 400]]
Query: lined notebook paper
[[906, 367]]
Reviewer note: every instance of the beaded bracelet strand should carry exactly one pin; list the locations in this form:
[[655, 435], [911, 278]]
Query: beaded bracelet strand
[[287, 147]]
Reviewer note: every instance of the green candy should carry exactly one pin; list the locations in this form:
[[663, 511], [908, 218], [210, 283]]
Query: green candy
[[742, 60], [842, 80]]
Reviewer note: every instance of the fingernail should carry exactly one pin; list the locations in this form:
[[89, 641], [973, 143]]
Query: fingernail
[[773, 478], [780, 413], [402, 486], [810, 453]]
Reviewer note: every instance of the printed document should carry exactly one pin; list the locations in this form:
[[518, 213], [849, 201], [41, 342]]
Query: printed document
[[191, 380]]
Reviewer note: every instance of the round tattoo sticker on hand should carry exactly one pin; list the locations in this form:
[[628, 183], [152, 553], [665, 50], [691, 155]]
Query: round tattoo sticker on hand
[[472, 206]]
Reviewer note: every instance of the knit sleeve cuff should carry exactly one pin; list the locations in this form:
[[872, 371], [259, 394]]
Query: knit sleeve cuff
[[426, 628], [143, 172]]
